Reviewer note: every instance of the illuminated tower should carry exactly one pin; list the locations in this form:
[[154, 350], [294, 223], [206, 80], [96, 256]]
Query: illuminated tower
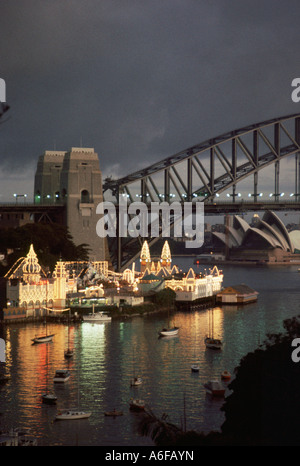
[[145, 258], [31, 268], [165, 258], [60, 279]]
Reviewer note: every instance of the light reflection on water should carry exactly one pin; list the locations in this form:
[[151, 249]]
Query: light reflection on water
[[107, 355]]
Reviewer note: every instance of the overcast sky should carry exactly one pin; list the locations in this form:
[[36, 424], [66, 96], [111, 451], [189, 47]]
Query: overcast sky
[[138, 80]]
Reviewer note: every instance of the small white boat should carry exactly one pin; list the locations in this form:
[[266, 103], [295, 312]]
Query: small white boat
[[72, 414], [49, 398], [97, 317], [61, 376], [42, 338], [167, 332], [136, 381], [214, 388], [137, 405], [213, 343]]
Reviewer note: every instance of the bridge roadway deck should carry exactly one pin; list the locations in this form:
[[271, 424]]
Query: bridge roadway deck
[[247, 206], [211, 207]]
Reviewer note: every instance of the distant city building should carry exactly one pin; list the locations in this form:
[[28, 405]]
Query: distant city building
[[74, 179]]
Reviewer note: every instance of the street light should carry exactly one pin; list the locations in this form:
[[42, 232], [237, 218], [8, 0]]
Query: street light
[[276, 195], [255, 195], [233, 195], [20, 195]]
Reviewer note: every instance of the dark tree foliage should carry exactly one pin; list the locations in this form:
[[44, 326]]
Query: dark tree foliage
[[263, 408], [50, 241], [165, 297]]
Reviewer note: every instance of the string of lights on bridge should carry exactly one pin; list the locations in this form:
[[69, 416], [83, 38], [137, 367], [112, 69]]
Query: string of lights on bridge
[[173, 196]]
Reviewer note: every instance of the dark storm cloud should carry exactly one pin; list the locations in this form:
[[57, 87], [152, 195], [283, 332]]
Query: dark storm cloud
[[140, 80]]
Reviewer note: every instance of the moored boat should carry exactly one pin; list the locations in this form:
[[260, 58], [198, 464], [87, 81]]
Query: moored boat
[[195, 368], [210, 341], [136, 381], [213, 343], [167, 332], [61, 375], [97, 317], [214, 388], [137, 405], [68, 353], [49, 398], [113, 413], [72, 414], [226, 375], [42, 338]]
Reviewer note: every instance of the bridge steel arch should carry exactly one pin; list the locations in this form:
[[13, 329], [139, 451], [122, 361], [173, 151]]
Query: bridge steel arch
[[202, 171]]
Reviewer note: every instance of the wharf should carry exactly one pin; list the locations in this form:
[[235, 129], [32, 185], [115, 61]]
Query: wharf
[[197, 304]]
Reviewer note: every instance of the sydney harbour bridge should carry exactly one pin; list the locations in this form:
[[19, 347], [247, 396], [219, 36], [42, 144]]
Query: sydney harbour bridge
[[201, 173]]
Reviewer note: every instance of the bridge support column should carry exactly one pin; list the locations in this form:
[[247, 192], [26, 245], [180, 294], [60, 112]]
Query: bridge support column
[[255, 157], [167, 185], [277, 169]]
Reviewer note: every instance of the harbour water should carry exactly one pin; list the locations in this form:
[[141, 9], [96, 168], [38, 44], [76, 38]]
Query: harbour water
[[107, 355]]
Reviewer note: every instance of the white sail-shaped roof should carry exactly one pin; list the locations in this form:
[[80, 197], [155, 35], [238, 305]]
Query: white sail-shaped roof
[[277, 224]]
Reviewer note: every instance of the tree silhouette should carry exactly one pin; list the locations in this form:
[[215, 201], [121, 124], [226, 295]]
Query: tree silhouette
[[50, 241]]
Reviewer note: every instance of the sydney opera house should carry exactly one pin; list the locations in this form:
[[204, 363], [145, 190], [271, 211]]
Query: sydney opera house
[[268, 240]]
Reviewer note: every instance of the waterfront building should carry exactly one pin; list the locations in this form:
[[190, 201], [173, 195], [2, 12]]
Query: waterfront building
[[188, 287], [237, 294], [192, 286]]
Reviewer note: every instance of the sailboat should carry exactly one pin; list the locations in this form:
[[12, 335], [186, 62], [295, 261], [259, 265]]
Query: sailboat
[[69, 352], [195, 366], [74, 413], [209, 340], [168, 331], [44, 337], [135, 381], [48, 398]]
